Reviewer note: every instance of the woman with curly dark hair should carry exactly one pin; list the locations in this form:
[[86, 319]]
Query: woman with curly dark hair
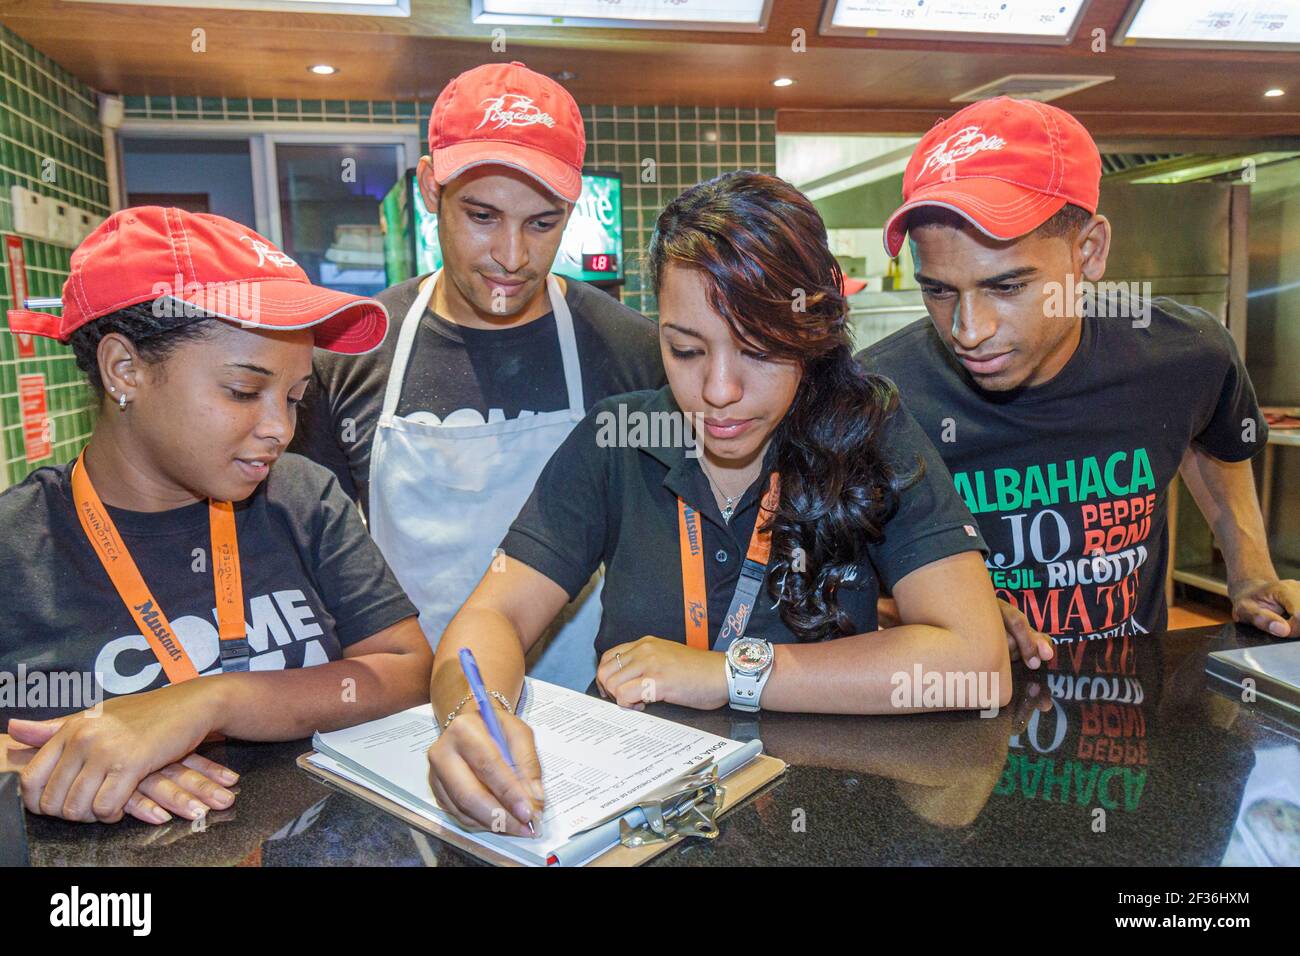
[[744, 566]]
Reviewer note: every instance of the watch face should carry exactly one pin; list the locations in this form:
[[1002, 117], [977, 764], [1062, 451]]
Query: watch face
[[750, 655]]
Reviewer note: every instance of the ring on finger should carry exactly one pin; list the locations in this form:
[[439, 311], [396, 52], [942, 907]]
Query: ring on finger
[[618, 658]]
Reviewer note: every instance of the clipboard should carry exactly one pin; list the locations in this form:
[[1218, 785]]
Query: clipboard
[[689, 802]]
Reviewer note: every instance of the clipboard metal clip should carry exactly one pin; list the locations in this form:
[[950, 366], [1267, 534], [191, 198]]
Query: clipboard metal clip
[[687, 807]]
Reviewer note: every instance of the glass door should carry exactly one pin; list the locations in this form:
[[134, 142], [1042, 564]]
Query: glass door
[[326, 208], [316, 194]]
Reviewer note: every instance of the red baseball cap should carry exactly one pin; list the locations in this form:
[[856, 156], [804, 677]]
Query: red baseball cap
[[504, 113], [210, 264], [1006, 165]]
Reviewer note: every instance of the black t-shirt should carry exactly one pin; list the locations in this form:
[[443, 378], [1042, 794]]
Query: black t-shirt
[[601, 501], [314, 583], [463, 376], [1069, 478]]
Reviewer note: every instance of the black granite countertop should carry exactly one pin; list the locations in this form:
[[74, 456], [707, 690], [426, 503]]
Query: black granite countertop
[[1120, 753]]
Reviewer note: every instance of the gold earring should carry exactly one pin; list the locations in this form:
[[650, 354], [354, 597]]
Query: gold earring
[[121, 402]]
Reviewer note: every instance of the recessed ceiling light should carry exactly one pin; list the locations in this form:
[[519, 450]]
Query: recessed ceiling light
[[1275, 91], [783, 81], [323, 69]]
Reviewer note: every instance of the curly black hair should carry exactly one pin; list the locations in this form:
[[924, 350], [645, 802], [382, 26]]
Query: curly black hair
[[155, 333]]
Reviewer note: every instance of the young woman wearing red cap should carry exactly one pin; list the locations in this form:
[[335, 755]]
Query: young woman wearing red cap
[[748, 574], [180, 543]]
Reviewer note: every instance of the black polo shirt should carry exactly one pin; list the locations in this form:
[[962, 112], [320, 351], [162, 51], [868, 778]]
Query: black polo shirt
[[617, 505]]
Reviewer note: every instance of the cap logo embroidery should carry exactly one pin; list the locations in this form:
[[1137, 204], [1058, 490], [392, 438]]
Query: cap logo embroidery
[[266, 252], [512, 109], [960, 145]]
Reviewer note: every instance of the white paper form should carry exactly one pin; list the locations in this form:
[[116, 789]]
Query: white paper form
[[597, 759]]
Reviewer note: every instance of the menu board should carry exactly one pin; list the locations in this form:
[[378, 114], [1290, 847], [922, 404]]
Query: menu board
[[1050, 21], [369, 8], [658, 14], [1228, 23]]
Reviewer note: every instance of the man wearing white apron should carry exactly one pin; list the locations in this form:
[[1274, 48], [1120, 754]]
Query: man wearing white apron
[[442, 433]]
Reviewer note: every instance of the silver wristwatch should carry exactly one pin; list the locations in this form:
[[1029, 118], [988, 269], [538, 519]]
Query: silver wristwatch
[[749, 665]]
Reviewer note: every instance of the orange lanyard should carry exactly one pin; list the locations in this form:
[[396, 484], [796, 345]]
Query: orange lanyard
[[139, 600], [695, 598]]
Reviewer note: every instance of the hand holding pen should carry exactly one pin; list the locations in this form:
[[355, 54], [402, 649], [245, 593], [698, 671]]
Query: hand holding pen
[[470, 799]]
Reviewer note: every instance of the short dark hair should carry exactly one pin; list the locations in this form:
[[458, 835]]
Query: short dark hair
[[154, 336], [1065, 224]]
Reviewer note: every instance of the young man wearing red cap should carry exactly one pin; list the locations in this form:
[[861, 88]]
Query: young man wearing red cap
[[176, 546], [1064, 413], [442, 432]]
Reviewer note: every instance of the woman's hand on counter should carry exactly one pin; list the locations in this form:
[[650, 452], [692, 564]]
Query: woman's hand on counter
[[472, 782], [89, 766], [188, 789], [653, 669]]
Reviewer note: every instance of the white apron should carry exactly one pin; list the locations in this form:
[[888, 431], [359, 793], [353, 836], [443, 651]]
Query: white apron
[[442, 498]]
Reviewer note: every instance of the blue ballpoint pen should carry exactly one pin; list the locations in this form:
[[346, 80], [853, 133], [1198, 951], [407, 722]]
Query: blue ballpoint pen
[[487, 711]]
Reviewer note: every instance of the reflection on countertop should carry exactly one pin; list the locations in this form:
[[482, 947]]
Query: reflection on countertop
[[1117, 753]]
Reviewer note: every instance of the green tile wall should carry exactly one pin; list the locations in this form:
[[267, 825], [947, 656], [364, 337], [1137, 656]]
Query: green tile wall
[[45, 112], [687, 143], [284, 110]]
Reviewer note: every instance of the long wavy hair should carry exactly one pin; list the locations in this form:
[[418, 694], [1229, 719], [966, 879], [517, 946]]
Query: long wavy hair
[[762, 249]]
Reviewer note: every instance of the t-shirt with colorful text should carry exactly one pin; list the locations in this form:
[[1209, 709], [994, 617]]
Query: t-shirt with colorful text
[[1069, 479]]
